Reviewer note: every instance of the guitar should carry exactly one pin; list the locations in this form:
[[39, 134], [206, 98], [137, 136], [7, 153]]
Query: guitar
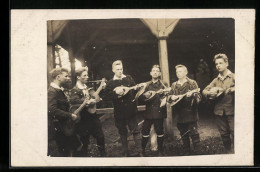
[[68, 128], [125, 90], [92, 108], [197, 90]]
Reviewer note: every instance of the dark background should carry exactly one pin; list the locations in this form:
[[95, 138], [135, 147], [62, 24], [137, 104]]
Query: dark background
[[193, 42], [134, 4]]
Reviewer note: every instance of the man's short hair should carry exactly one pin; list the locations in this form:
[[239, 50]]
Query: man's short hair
[[79, 71], [117, 62], [220, 56], [181, 66], [156, 66], [57, 71]]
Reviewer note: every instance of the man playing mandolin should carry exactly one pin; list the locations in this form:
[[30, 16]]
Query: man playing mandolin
[[187, 109], [224, 104], [154, 114], [89, 123], [125, 109]]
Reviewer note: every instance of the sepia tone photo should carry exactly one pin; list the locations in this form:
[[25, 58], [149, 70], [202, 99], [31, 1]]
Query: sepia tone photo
[[141, 87], [132, 87]]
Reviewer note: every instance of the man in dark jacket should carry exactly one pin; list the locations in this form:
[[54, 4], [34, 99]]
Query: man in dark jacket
[[224, 104], [154, 114], [187, 109], [125, 109], [58, 113], [89, 123]]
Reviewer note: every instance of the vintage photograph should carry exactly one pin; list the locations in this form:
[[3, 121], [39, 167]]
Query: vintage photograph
[[109, 88], [140, 87]]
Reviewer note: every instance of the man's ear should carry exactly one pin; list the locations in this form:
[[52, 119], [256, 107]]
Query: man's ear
[[151, 73], [160, 73], [227, 64], [57, 77], [77, 77]]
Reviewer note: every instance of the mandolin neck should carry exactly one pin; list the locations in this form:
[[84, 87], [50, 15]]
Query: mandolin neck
[[98, 91]]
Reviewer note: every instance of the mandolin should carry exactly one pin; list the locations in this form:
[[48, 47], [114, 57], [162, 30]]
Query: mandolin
[[197, 90], [125, 90], [153, 93]]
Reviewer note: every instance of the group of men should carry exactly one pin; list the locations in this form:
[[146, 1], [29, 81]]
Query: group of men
[[184, 96]]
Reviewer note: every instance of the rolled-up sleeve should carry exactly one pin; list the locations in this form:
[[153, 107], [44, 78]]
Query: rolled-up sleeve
[[206, 91]]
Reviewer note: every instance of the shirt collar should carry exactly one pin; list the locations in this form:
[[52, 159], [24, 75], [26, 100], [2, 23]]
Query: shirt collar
[[54, 85], [116, 78], [155, 81], [224, 77], [186, 80], [81, 86]]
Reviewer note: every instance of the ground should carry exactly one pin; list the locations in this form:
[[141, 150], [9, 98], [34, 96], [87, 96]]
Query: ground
[[210, 140]]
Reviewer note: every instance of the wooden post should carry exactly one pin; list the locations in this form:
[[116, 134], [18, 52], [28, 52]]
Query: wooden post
[[161, 28], [72, 64], [163, 59], [50, 62], [50, 51], [71, 56]]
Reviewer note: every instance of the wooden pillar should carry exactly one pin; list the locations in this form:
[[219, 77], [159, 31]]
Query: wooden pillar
[[50, 51], [161, 28], [50, 62], [71, 56], [163, 60], [72, 64]]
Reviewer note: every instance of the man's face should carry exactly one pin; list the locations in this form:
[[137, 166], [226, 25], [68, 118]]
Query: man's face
[[221, 65], [64, 79], [118, 70], [83, 77], [155, 73], [181, 72]]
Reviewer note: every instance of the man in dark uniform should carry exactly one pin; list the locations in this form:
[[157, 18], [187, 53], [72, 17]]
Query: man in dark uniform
[[89, 123], [58, 113], [224, 104], [154, 114], [125, 109], [187, 109]]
